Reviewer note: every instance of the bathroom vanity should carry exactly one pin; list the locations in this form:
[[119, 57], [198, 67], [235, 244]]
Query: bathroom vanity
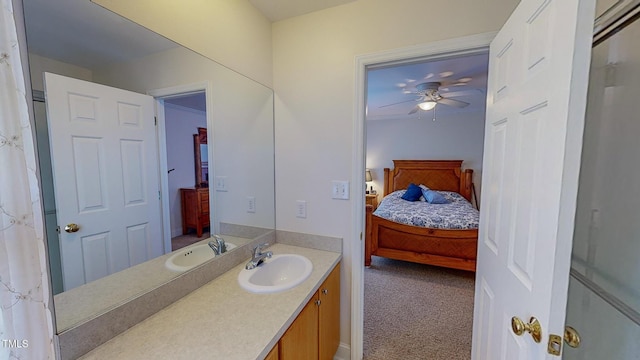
[[221, 320]]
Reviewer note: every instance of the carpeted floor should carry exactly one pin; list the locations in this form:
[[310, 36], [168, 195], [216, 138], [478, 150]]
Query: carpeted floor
[[415, 311], [186, 240]]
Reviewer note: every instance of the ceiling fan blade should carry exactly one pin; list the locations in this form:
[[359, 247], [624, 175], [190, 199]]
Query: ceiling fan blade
[[461, 93], [452, 102], [401, 102], [414, 110]]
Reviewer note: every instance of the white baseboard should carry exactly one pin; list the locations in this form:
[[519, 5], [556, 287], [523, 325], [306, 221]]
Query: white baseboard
[[343, 353]]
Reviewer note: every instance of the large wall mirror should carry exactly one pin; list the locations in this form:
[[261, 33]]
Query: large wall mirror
[[99, 259]]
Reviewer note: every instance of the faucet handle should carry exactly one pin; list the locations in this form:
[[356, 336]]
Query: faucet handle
[[215, 247], [221, 244], [257, 250], [262, 246]]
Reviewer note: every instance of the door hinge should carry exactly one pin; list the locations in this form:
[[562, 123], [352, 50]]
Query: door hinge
[[361, 236], [159, 198], [155, 120]]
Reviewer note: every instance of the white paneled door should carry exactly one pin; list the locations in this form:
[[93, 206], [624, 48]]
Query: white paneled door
[[106, 179], [538, 74]]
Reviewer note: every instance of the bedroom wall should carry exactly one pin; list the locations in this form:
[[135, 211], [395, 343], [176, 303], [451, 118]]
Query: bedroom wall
[[313, 76], [181, 123], [452, 137]]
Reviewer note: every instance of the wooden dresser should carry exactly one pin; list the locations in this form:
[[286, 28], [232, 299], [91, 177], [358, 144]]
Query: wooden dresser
[[195, 209]]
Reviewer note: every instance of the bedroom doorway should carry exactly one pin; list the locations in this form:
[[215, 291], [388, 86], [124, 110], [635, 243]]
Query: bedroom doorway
[[184, 117], [413, 300], [187, 164]]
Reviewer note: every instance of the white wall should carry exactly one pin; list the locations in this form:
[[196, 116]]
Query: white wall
[[233, 33], [180, 123], [39, 64], [313, 76], [458, 136]]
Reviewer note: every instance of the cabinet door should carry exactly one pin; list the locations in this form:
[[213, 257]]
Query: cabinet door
[[329, 317], [301, 339], [273, 354]]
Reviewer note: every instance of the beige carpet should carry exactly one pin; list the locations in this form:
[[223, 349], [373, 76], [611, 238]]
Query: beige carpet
[[415, 311], [181, 241]]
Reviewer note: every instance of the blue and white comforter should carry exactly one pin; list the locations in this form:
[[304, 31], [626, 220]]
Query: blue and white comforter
[[457, 214]]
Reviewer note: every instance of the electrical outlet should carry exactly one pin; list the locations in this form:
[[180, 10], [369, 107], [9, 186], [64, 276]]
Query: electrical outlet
[[221, 183], [301, 209], [340, 190], [251, 204]]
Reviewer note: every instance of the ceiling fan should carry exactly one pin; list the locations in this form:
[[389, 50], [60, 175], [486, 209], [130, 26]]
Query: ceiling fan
[[429, 96]]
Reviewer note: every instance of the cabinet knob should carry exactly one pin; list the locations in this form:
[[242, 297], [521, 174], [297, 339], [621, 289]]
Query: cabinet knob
[[325, 291], [318, 302]]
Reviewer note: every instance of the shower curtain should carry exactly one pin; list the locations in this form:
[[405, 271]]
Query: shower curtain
[[26, 329]]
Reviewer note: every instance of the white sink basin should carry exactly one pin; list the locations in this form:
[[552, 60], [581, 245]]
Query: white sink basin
[[191, 256], [281, 272]]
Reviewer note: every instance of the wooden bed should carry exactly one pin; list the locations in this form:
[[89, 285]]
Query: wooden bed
[[447, 248]]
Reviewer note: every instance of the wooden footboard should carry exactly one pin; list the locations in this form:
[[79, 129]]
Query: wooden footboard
[[447, 248]]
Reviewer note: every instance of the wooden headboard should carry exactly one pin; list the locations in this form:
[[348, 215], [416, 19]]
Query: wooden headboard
[[445, 175]]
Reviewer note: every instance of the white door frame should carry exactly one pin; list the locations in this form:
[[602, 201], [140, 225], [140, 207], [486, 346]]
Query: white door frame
[[457, 47], [160, 95]]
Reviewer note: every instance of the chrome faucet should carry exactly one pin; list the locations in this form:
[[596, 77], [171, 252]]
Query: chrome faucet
[[218, 245], [258, 256]]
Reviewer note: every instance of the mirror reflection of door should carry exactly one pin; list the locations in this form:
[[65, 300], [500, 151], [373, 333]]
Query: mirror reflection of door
[[109, 216]]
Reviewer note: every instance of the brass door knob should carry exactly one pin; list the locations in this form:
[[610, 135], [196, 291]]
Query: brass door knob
[[71, 228], [571, 337], [533, 327]]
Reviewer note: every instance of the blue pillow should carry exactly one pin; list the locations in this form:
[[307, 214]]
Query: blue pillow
[[433, 197], [413, 193]]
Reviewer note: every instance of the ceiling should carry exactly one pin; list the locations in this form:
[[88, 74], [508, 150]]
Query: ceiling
[[195, 101], [388, 85], [98, 37], [276, 10]]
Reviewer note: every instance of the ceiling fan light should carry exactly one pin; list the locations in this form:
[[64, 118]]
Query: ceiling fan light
[[427, 105]]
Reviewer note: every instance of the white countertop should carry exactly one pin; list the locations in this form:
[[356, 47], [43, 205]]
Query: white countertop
[[84, 302], [220, 320]]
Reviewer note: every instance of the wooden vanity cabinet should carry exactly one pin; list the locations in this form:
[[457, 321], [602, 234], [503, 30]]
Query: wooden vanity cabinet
[[315, 334], [329, 315], [301, 339], [195, 209], [273, 354]]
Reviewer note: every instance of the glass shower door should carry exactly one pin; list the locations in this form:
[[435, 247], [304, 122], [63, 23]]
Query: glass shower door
[[604, 289]]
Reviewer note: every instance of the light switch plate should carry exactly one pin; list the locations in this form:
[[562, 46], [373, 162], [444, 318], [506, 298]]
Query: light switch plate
[[301, 209], [221, 183], [340, 189], [251, 204]]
